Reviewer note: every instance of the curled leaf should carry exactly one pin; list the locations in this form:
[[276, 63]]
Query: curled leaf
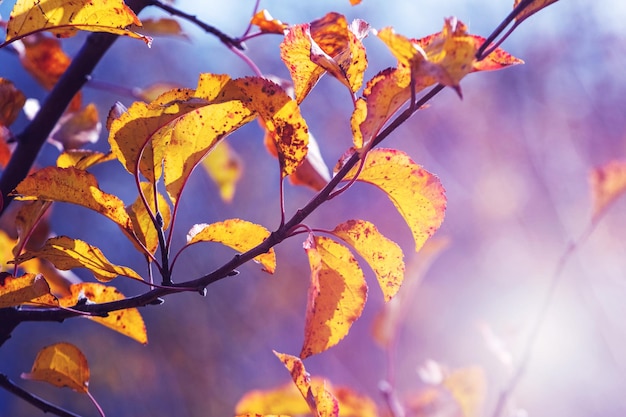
[[64, 17], [62, 365], [264, 20], [238, 234], [82, 158], [27, 288], [67, 253], [383, 255], [127, 322], [416, 193], [337, 294]]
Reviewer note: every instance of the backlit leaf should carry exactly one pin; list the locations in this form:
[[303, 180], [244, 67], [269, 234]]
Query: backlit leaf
[[64, 17], [43, 57], [313, 171], [383, 256], [417, 194], [27, 219], [142, 222], [62, 365], [326, 44], [238, 234], [59, 281], [82, 158], [608, 182], [320, 401], [225, 168], [468, 386], [336, 297], [264, 20], [498, 59], [77, 129], [127, 322], [11, 102], [67, 253], [71, 185], [531, 9], [164, 26], [27, 288], [286, 399]]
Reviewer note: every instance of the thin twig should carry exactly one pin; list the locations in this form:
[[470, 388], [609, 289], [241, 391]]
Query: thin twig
[[38, 402]]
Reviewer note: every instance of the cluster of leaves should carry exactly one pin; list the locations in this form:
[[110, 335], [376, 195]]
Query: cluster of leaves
[[162, 138]]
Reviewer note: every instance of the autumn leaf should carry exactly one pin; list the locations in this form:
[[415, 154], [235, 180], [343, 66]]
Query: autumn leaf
[[59, 281], [77, 129], [127, 322], [468, 386], [383, 256], [67, 253], [29, 216], [224, 167], [320, 401], [417, 194], [31, 288], [313, 172], [64, 17], [238, 234], [164, 26], [608, 183], [329, 45], [336, 297], [286, 399], [11, 102], [531, 9], [82, 158], [43, 57], [264, 20], [62, 365], [142, 222], [71, 185]]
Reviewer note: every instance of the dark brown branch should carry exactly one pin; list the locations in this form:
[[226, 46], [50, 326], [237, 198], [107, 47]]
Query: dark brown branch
[[38, 402]]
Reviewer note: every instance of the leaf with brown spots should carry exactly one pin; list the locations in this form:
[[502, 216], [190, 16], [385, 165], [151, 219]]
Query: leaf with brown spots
[[62, 365], [264, 20], [337, 294], [127, 322], [11, 102], [416, 193], [29, 288]]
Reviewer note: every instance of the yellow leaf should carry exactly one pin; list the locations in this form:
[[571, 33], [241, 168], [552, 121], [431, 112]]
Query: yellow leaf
[[238, 234], [468, 386], [127, 322], [82, 158], [59, 281], [71, 185], [264, 20], [320, 400], [225, 168], [7, 245], [11, 102], [67, 253], [383, 255], [142, 222], [164, 26], [64, 17], [336, 297], [77, 129], [417, 194], [313, 171], [531, 9], [27, 288], [608, 182], [295, 51], [62, 365]]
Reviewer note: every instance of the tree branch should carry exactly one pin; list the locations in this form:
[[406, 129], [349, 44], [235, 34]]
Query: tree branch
[[38, 402]]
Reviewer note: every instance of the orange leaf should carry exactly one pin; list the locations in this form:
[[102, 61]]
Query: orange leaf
[[264, 20], [608, 182], [67, 253], [27, 288], [59, 281], [336, 297], [7, 244], [11, 102], [286, 399], [320, 401], [71, 185], [238, 234], [127, 322], [531, 9], [383, 255], [417, 194], [64, 17], [225, 168], [43, 57], [62, 365], [326, 44], [27, 219], [498, 59], [82, 158], [77, 129], [142, 222], [355, 2]]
